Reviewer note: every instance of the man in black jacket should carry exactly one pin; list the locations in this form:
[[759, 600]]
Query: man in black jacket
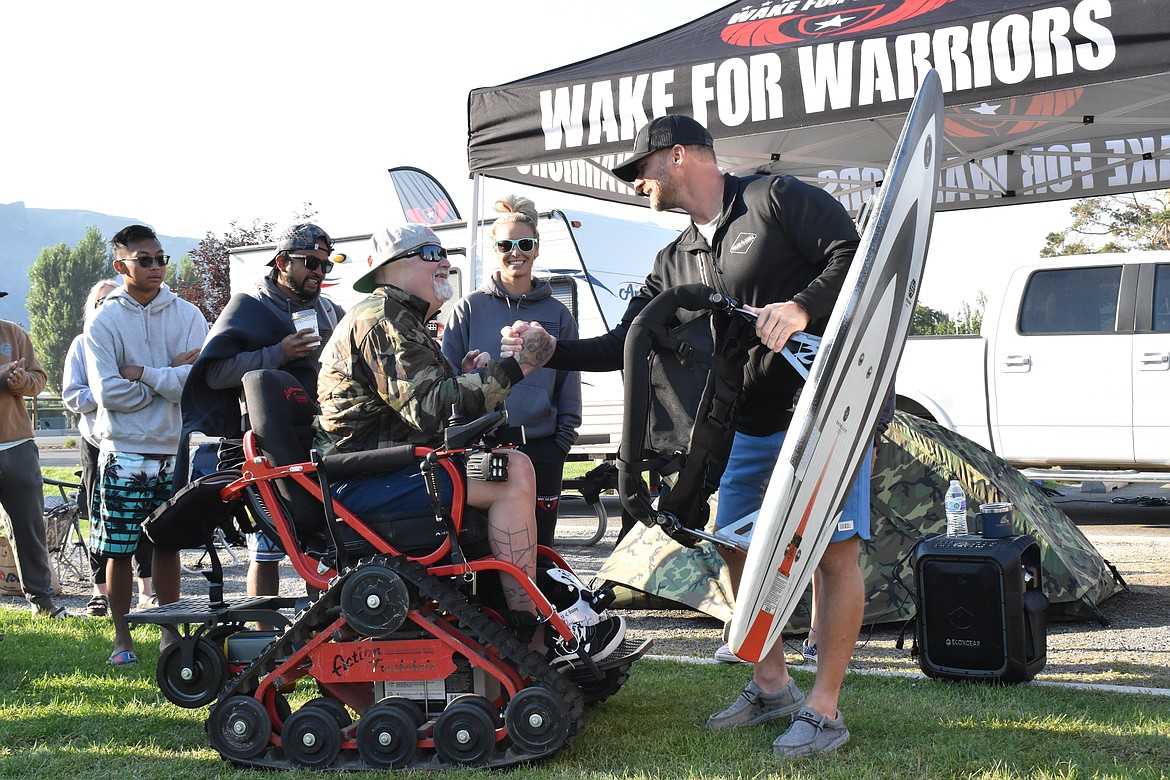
[[260, 331], [783, 248]]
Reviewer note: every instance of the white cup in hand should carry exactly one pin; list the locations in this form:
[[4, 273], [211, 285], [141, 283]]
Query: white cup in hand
[[307, 319]]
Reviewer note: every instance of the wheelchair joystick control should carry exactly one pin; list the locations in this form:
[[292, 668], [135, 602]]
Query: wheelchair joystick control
[[456, 417]]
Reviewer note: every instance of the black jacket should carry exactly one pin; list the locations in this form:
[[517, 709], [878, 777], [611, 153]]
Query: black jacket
[[777, 239]]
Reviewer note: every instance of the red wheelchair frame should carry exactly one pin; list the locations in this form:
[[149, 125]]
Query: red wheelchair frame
[[393, 620]]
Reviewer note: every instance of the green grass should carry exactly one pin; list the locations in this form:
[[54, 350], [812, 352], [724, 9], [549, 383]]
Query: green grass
[[68, 715], [578, 468], [62, 473]]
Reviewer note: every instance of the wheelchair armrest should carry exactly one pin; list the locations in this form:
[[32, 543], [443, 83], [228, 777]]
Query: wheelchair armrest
[[347, 465], [458, 437]]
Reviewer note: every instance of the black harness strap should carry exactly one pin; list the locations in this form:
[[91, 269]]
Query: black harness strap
[[699, 469], [714, 429]]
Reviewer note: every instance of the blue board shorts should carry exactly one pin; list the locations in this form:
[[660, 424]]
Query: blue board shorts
[[129, 488], [401, 492], [752, 460]]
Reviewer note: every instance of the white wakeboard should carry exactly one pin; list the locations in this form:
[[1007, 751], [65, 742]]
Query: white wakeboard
[[849, 379]]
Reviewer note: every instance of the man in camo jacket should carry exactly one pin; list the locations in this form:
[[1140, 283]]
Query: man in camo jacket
[[384, 381]]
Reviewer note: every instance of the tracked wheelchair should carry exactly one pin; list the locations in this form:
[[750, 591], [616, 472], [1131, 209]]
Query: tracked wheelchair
[[407, 641]]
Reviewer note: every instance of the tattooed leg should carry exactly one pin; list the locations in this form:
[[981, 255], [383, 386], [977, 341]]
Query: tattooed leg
[[516, 546], [511, 512]]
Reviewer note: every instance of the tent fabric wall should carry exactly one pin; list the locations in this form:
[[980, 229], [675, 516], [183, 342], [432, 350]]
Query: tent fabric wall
[[1076, 577], [915, 459], [1046, 99]]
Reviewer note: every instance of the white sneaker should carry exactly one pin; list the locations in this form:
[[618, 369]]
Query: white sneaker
[[724, 655], [581, 610]]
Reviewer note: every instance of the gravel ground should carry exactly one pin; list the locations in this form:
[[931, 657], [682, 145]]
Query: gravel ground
[[1133, 650]]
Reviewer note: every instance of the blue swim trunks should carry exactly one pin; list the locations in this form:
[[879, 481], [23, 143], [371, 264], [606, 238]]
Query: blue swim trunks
[[741, 491], [129, 488]]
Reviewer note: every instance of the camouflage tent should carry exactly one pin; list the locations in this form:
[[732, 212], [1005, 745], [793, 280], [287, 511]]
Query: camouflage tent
[[915, 459], [909, 483]]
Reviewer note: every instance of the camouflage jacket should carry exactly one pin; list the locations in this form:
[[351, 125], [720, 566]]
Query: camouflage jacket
[[384, 380]]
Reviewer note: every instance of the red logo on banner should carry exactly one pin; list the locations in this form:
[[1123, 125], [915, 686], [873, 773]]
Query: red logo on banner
[[769, 25], [1004, 117], [429, 215]]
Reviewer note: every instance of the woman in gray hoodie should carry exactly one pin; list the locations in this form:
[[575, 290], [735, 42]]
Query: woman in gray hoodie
[[548, 402]]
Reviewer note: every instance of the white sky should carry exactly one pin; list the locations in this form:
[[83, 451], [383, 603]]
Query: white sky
[[189, 116]]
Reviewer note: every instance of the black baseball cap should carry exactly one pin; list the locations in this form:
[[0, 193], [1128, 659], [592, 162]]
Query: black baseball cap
[[663, 133]]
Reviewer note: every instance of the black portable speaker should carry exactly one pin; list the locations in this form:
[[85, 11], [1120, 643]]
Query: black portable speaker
[[981, 608]]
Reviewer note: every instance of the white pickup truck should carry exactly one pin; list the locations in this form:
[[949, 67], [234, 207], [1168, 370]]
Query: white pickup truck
[[1072, 368]]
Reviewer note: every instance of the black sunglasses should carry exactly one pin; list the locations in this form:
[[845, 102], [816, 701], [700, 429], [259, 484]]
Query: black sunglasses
[[148, 261], [525, 244], [313, 263], [429, 254]]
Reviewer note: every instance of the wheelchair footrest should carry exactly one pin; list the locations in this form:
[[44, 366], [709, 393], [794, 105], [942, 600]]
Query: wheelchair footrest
[[198, 609], [628, 651]]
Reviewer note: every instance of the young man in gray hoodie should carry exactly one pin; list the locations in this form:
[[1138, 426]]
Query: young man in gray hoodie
[[140, 347]]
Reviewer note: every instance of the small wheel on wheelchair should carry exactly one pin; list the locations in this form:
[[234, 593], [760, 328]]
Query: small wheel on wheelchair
[[387, 737], [537, 720], [464, 734], [239, 728], [195, 683], [374, 600]]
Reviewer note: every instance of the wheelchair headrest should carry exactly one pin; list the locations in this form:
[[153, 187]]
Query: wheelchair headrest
[[281, 414]]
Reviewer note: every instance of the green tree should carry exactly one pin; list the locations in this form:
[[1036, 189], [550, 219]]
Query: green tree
[[181, 273], [970, 319], [930, 322], [1116, 223], [59, 281]]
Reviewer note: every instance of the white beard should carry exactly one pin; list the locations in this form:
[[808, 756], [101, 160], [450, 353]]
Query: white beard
[[444, 291]]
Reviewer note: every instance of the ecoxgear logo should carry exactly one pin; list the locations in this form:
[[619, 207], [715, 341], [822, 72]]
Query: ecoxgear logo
[[793, 21], [742, 243], [963, 643]]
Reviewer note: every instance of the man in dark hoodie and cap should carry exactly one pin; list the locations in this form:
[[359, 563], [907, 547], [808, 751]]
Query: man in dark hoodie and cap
[[259, 331]]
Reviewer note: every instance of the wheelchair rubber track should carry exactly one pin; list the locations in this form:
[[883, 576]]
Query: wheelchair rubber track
[[489, 632]]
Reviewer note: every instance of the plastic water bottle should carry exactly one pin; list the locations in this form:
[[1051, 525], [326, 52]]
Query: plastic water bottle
[[956, 507]]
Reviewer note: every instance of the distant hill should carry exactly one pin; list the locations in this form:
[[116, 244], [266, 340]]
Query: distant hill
[[27, 231]]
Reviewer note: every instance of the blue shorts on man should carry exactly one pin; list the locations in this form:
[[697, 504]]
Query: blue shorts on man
[[752, 460]]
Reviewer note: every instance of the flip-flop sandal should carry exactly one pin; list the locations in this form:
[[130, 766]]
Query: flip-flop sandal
[[98, 606], [124, 658]]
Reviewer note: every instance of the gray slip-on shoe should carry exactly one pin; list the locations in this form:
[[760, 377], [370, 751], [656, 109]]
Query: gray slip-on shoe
[[811, 732], [753, 706]]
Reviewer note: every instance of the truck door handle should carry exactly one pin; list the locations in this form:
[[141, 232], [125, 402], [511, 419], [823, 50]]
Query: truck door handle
[[1016, 364], [1154, 361]]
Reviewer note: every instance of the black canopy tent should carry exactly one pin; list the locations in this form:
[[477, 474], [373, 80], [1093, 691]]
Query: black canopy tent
[[1046, 99]]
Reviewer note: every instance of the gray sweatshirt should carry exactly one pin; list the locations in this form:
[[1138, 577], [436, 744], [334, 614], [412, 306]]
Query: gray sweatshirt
[[76, 395], [143, 416], [547, 402]]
